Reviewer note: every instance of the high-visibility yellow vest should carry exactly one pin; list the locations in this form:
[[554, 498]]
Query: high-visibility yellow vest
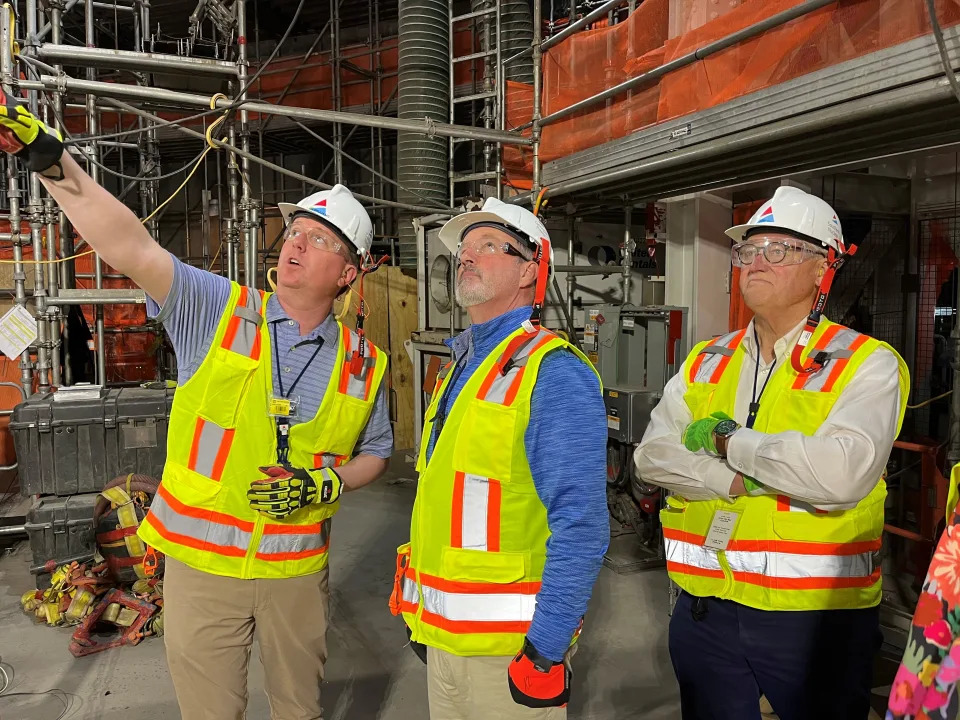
[[220, 433], [784, 554], [467, 581]]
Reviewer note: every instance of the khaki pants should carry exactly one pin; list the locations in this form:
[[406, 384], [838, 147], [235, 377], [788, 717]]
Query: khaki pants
[[209, 624], [475, 688]]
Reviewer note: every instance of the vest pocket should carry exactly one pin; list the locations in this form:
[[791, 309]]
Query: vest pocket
[[835, 527], [348, 418], [476, 447], [229, 377], [481, 566]]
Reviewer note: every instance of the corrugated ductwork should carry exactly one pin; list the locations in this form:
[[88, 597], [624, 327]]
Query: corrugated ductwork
[[424, 91]]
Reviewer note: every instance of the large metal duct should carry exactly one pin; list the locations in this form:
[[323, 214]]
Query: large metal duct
[[424, 92], [516, 28]]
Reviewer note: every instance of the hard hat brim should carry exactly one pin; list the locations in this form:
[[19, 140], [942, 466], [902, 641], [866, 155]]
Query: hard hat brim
[[738, 232], [452, 230], [289, 210]]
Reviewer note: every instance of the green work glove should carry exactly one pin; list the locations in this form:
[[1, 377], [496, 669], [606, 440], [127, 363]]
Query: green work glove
[[699, 433], [753, 487], [23, 135], [286, 489]]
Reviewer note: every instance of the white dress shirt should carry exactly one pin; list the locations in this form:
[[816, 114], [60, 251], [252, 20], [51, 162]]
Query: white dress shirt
[[833, 469]]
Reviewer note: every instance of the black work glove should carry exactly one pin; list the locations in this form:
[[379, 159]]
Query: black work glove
[[286, 489]]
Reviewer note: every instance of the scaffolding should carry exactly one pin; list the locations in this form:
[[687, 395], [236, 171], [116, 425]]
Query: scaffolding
[[37, 71]]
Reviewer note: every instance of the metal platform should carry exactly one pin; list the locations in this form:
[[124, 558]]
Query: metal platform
[[888, 102]]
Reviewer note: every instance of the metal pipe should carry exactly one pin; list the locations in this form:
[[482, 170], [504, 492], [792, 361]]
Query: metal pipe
[[591, 270], [627, 259], [7, 33], [567, 316], [66, 270], [56, 19], [277, 168], [93, 150], [336, 90], [108, 6], [249, 230], [13, 529], [118, 90], [126, 300], [36, 213], [537, 121], [233, 232], [688, 59], [51, 215], [571, 248]]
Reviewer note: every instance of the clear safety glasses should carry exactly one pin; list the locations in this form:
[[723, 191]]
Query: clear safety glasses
[[316, 238], [775, 252]]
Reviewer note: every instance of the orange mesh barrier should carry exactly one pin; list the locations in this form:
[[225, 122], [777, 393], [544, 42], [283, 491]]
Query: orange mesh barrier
[[595, 60]]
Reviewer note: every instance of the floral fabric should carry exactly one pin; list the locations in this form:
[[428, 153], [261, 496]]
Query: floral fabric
[[925, 687]]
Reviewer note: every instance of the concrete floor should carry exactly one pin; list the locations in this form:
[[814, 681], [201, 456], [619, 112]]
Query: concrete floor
[[622, 669]]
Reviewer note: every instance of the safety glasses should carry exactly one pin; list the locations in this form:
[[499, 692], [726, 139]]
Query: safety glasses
[[775, 252]]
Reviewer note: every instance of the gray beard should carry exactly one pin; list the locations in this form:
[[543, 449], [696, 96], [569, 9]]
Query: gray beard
[[475, 295]]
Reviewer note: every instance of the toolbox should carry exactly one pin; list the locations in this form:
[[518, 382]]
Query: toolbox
[[77, 439], [61, 529]]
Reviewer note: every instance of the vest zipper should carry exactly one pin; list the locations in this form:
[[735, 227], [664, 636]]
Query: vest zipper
[[258, 525]]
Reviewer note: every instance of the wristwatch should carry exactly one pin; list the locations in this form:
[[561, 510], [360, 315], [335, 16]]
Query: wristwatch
[[722, 433]]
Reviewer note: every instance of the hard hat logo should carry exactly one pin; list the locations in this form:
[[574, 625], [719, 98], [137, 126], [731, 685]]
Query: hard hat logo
[[340, 210], [766, 216]]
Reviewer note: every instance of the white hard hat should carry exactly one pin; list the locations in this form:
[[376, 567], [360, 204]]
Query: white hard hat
[[518, 219], [338, 209], [794, 211]]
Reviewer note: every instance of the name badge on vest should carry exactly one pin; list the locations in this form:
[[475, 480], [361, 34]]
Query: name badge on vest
[[721, 529], [281, 407]]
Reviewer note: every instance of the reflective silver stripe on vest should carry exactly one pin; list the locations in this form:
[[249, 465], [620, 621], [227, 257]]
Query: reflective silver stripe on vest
[[484, 607], [474, 530], [248, 320], [686, 553], [837, 348], [497, 392], [271, 543], [211, 448], [350, 384], [357, 386], [411, 593], [715, 353], [206, 531], [797, 565]]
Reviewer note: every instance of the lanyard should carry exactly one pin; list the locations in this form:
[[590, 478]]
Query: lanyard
[[754, 398], [283, 423], [276, 355]]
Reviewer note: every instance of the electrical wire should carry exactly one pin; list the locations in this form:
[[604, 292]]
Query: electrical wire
[[931, 400], [942, 48]]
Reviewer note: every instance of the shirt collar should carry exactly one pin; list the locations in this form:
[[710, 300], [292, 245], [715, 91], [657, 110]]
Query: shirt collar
[[781, 348], [481, 338], [327, 330]]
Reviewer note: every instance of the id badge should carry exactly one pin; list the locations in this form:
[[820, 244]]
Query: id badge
[[283, 407], [721, 529]]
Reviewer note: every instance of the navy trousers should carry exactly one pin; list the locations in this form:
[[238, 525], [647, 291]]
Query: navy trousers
[[811, 665]]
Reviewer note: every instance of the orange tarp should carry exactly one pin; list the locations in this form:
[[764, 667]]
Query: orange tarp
[[595, 60]]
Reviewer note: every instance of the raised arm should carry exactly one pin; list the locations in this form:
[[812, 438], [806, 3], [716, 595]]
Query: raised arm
[[108, 225]]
